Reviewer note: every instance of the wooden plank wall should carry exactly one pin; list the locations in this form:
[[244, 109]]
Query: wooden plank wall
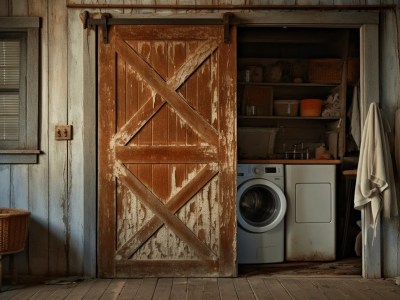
[[390, 100], [58, 190]]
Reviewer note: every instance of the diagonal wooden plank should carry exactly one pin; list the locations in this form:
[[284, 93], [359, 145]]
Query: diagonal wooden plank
[[166, 154], [138, 120], [130, 129], [173, 205], [152, 202], [187, 113], [192, 63]]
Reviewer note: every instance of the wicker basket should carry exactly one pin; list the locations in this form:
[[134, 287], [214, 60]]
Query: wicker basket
[[13, 230], [327, 70]]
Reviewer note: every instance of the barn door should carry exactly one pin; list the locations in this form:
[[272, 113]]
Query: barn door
[[167, 152]]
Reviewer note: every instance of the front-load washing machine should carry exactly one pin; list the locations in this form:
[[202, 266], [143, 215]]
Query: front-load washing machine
[[261, 208]]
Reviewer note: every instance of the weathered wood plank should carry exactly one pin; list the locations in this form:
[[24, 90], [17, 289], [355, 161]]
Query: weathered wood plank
[[259, 288], [334, 19], [195, 288], [162, 268], [332, 288], [19, 199], [144, 137], [76, 117], [130, 289], [276, 289], [364, 289], [385, 288], [165, 154], [227, 112], [97, 289], [179, 289], [163, 289], [243, 288], [106, 185], [5, 186], [369, 92], [227, 289], [390, 90], [39, 173], [146, 289], [58, 151], [19, 7], [211, 290], [113, 290], [80, 290], [89, 136], [44, 292], [60, 292], [22, 294], [312, 291], [159, 61]]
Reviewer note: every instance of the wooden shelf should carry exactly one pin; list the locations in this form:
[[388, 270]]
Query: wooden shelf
[[290, 84], [291, 161], [287, 118]]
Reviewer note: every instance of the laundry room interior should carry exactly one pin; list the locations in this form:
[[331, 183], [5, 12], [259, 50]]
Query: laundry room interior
[[298, 138]]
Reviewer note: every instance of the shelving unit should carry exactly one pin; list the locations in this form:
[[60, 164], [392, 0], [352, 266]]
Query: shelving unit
[[292, 49]]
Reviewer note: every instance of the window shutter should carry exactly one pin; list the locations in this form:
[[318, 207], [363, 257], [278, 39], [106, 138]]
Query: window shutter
[[9, 89]]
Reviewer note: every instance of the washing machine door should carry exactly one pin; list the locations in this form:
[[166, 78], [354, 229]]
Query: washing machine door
[[261, 205]]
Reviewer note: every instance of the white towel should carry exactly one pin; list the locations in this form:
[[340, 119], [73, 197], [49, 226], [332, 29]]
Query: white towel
[[375, 183]]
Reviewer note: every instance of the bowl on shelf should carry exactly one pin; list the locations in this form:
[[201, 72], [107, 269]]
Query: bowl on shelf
[[310, 107], [288, 108]]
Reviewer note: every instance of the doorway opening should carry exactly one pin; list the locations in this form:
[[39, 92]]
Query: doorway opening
[[279, 70]]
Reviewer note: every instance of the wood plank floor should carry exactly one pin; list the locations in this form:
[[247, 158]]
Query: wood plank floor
[[255, 287]]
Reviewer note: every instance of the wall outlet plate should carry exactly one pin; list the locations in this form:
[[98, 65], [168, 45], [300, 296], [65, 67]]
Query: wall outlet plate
[[63, 132]]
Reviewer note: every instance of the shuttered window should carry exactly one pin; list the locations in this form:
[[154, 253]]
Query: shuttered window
[[10, 74], [19, 76]]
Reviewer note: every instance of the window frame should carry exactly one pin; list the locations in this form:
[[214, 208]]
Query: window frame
[[27, 150]]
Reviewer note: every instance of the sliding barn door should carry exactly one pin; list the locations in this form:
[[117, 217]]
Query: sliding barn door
[[167, 152]]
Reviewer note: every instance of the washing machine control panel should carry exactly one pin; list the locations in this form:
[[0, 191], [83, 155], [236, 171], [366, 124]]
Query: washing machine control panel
[[249, 170], [258, 170]]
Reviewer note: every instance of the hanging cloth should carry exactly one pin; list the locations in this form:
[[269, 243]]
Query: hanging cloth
[[375, 185], [354, 115]]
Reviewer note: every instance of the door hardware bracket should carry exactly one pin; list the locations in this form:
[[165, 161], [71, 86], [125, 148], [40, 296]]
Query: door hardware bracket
[[106, 20], [104, 27], [227, 26]]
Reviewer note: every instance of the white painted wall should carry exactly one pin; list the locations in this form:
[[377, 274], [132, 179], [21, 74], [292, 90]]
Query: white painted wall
[[57, 190]]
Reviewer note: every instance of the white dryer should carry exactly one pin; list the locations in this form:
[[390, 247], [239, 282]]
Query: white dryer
[[311, 215], [261, 208]]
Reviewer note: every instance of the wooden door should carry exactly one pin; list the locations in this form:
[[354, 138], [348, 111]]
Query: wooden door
[[167, 152]]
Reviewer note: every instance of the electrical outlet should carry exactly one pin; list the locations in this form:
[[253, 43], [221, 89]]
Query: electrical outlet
[[63, 132]]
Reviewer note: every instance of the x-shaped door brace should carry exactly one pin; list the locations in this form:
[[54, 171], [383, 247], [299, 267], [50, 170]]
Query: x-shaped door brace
[[167, 90], [165, 214]]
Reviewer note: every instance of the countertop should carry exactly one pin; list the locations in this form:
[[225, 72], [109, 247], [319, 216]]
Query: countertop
[[291, 161]]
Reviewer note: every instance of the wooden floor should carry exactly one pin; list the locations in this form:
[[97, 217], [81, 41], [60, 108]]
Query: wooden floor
[[256, 287], [298, 280]]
